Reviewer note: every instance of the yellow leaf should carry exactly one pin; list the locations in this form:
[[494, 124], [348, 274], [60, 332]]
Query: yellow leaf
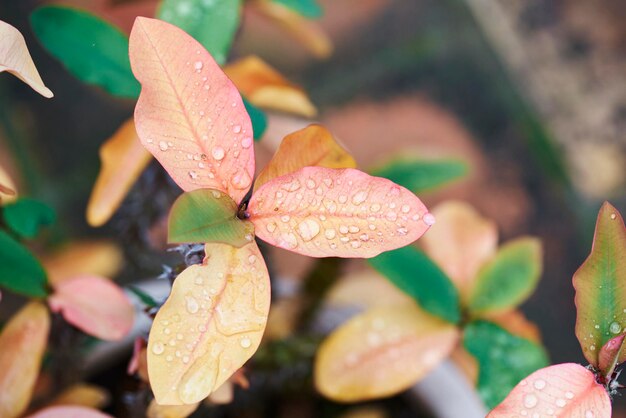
[[382, 352], [267, 88], [210, 325], [83, 394], [15, 58], [8, 191], [311, 146], [23, 342], [170, 411], [122, 159]]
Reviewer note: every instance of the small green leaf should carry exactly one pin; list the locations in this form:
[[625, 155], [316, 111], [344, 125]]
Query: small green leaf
[[307, 8], [20, 271], [145, 298], [258, 119], [207, 215], [420, 175], [212, 23], [415, 274], [93, 50], [26, 217], [509, 278], [503, 359]]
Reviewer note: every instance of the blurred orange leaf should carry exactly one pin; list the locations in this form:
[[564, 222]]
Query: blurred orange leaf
[[83, 394], [516, 323], [8, 191]]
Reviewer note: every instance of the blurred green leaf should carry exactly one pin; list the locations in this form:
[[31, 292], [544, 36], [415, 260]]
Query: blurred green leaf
[[20, 271], [307, 8], [92, 49], [258, 119], [213, 23], [503, 359], [420, 175], [415, 274], [26, 217], [145, 298]]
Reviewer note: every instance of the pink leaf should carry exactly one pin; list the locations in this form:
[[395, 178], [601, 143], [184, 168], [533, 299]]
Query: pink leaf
[[69, 412], [611, 354], [565, 390], [95, 305], [190, 115], [323, 212]]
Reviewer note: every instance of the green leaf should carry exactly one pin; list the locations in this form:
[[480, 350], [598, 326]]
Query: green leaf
[[93, 50], [20, 271], [213, 23], [503, 359], [207, 215], [415, 274], [600, 285], [26, 217], [509, 278], [420, 175], [307, 8], [145, 298], [258, 119]]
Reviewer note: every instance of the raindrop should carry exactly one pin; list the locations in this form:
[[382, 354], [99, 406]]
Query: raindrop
[[163, 145], [158, 348], [615, 328], [359, 197], [241, 180], [429, 219], [308, 229], [343, 198], [245, 342], [246, 142], [343, 229], [237, 129], [285, 218], [406, 208], [192, 304], [198, 66], [613, 216], [218, 153], [540, 384], [193, 175], [330, 233], [271, 227], [530, 401], [589, 414], [561, 403], [569, 395]]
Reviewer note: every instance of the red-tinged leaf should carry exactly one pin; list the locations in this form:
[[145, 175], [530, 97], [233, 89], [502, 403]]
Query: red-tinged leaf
[[210, 325], [189, 115], [600, 286], [22, 345], [323, 212], [565, 390], [611, 354], [15, 58], [69, 412], [94, 305]]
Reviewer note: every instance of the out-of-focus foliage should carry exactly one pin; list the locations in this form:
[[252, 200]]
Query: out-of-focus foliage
[[26, 217]]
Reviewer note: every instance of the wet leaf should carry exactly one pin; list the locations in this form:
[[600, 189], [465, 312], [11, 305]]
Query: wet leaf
[[323, 212], [307, 8], [83, 394], [212, 23], [15, 58], [258, 118], [69, 412], [207, 215], [210, 325], [564, 390], [20, 271], [170, 411], [313, 146], [599, 283], [267, 88], [381, 352], [202, 135], [611, 354], [93, 50], [420, 175], [415, 274], [508, 278], [26, 217], [122, 160], [503, 359], [8, 190], [23, 341], [94, 305]]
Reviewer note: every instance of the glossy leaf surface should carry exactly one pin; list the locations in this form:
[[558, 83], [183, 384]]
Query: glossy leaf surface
[[69, 412], [189, 114], [419, 175], [20, 271], [26, 217]]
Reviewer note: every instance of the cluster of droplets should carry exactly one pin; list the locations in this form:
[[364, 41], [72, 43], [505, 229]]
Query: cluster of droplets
[[613, 330], [538, 393]]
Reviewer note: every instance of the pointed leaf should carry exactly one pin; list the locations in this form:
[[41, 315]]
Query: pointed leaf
[[207, 215], [170, 411], [565, 390], [323, 212], [460, 243], [69, 412], [307, 8], [420, 175], [611, 354], [258, 118], [415, 274], [381, 352], [8, 191], [189, 115], [122, 160], [94, 305], [26, 217], [503, 359], [509, 278], [15, 58], [210, 325], [20, 271], [212, 23], [599, 283], [93, 50], [267, 88], [23, 341]]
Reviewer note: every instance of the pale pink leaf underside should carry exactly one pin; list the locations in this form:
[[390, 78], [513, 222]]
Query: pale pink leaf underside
[[69, 412]]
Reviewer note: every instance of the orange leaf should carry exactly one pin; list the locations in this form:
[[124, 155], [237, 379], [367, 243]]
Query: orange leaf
[[95, 305], [170, 411], [23, 341], [466, 363], [323, 212], [565, 390], [189, 115], [308, 147], [8, 191], [69, 412], [210, 325], [382, 352], [82, 394], [122, 159], [265, 87], [460, 243], [15, 58]]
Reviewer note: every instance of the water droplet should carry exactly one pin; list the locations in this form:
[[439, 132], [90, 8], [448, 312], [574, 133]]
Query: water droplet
[[359, 197], [288, 240], [252, 259], [158, 348], [185, 359], [597, 326], [343, 198], [271, 227], [192, 304], [241, 180], [354, 229], [530, 400], [291, 186], [429, 219], [589, 414], [355, 244], [569, 395], [615, 328], [245, 342], [613, 216], [193, 175], [402, 231], [246, 142], [310, 183], [163, 146], [406, 208], [330, 233], [198, 66], [364, 237], [218, 153], [391, 216], [285, 218], [343, 229], [592, 347], [167, 331], [540, 384], [561, 403], [237, 129], [308, 229], [375, 207]]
